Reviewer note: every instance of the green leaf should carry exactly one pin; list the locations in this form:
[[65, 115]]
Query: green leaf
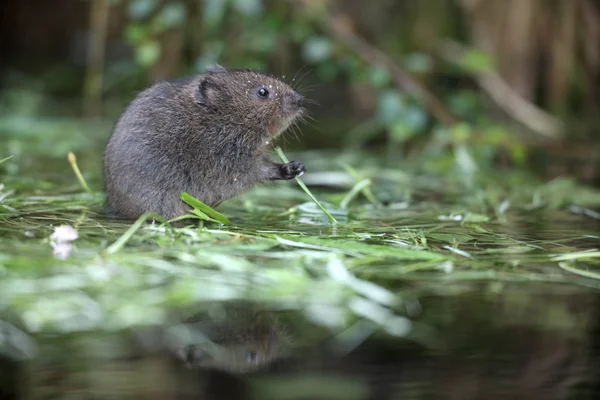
[[203, 216], [378, 77], [317, 49], [476, 61], [401, 132], [418, 62], [135, 33], [202, 209], [461, 132], [416, 117], [148, 53], [173, 14], [390, 107]]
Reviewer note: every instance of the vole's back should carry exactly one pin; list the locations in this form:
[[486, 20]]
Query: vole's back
[[137, 173], [206, 135]]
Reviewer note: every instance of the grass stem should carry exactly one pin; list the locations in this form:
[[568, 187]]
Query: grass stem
[[120, 242], [5, 159], [303, 186], [73, 161]]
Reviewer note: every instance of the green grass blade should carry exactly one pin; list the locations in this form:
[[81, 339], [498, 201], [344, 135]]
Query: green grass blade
[[73, 161], [118, 245], [588, 274], [6, 159], [579, 255], [366, 190], [204, 209], [204, 217], [356, 189], [303, 186]]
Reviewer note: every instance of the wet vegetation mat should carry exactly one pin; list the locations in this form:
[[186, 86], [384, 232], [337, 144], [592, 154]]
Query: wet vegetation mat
[[426, 284]]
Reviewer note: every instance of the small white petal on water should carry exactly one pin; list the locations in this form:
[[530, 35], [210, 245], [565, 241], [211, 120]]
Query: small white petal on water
[[64, 233], [61, 239]]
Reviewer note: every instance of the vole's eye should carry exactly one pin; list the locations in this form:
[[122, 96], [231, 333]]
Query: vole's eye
[[263, 92]]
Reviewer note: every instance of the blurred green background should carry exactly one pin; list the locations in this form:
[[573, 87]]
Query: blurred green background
[[441, 84]]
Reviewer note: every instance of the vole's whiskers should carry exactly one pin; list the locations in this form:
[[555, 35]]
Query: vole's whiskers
[[308, 120], [296, 75], [284, 138], [296, 131], [295, 83], [308, 89], [311, 102]]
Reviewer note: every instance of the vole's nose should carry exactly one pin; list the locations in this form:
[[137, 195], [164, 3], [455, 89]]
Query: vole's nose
[[298, 99]]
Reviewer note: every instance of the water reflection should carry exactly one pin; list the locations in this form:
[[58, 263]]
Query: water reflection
[[238, 339], [506, 343]]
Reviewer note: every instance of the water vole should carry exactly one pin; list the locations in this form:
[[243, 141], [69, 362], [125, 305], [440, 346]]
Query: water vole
[[207, 135]]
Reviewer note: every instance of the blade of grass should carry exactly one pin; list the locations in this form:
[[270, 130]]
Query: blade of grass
[[119, 243], [73, 161], [203, 210], [351, 195], [588, 274], [457, 251], [579, 255], [180, 218], [203, 216], [303, 186], [366, 191], [191, 216], [6, 159], [298, 244]]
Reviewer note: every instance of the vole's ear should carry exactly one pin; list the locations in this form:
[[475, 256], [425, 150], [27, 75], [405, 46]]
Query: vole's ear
[[206, 90]]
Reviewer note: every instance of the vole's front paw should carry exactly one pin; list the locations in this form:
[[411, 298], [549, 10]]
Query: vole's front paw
[[292, 169]]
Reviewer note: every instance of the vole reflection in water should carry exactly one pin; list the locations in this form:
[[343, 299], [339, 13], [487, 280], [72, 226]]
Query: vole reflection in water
[[239, 340]]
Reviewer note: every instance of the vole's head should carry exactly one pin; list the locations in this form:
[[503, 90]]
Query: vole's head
[[263, 103], [242, 340]]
